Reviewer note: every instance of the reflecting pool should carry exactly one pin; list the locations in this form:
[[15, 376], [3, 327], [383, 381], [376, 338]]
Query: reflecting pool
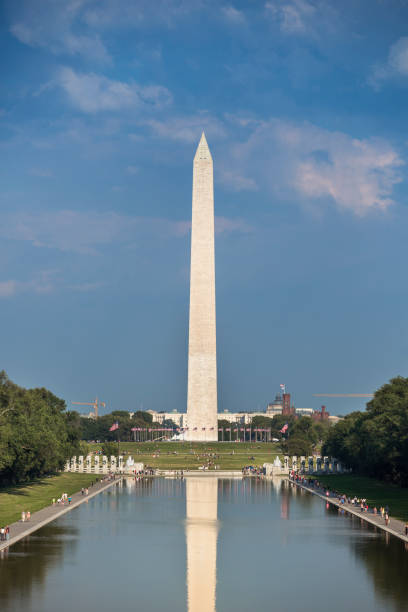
[[204, 545]]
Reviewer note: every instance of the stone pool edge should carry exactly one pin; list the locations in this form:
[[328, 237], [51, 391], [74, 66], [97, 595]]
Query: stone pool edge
[[51, 515], [358, 514]]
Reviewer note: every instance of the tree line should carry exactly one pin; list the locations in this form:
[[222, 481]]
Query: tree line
[[302, 437], [37, 434], [98, 429], [375, 442]]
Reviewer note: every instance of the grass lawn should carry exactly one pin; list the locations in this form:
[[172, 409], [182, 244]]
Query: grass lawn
[[376, 492], [38, 494], [191, 455]]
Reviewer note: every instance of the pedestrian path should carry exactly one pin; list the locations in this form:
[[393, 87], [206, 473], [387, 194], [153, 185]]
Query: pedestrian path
[[20, 530], [394, 527]]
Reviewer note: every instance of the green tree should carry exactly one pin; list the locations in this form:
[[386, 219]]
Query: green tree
[[110, 449], [37, 436], [375, 442]]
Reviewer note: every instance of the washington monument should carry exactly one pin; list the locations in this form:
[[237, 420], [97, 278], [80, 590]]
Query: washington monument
[[202, 357]]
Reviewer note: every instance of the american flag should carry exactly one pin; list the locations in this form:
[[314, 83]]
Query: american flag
[[284, 428], [114, 427], [283, 388]]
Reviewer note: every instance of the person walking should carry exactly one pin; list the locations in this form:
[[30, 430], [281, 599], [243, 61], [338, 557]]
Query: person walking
[[7, 530], [28, 515], [406, 529], [2, 534]]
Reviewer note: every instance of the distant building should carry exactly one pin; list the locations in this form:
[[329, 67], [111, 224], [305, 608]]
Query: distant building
[[280, 405], [275, 407], [334, 419], [286, 408], [321, 415], [304, 412], [178, 418]]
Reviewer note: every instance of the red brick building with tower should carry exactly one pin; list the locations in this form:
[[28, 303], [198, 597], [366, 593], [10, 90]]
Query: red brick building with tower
[[320, 415]]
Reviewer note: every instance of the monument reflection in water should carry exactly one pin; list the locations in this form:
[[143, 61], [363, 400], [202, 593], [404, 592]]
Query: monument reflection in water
[[201, 539]]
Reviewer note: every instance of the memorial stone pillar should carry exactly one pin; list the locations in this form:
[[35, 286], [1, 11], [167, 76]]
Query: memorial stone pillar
[[286, 462], [302, 465], [80, 463], [113, 463], [326, 464], [294, 463], [104, 464], [96, 464], [318, 464], [88, 463], [333, 465], [339, 467], [311, 468], [67, 466], [73, 464], [121, 463]]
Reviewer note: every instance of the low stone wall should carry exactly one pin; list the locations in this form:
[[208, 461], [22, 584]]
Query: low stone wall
[[100, 464], [312, 465]]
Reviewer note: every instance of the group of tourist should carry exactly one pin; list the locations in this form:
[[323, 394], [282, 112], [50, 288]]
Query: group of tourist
[[62, 500], [25, 516], [4, 533], [253, 470], [342, 498]]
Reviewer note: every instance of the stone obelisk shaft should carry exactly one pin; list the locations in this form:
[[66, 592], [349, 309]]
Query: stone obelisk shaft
[[202, 357]]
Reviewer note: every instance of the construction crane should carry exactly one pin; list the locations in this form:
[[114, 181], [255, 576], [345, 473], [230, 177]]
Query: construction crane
[[343, 394], [94, 404]]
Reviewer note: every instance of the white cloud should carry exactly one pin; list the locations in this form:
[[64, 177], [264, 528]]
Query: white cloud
[[85, 287], [224, 225], [236, 181], [8, 288], [66, 230], [308, 163], [132, 170], [233, 15], [187, 129], [86, 233], [53, 24], [314, 18], [396, 64], [43, 282], [92, 93], [292, 15], [106, 14]]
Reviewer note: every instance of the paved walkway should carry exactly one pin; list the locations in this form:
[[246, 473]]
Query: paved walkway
[[20, 530], [394, 527]]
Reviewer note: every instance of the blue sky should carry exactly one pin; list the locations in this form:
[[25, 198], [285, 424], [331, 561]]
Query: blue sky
[[304, 104]]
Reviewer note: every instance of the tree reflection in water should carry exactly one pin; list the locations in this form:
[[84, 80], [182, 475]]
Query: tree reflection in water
[[386, 560], [26, 565]]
